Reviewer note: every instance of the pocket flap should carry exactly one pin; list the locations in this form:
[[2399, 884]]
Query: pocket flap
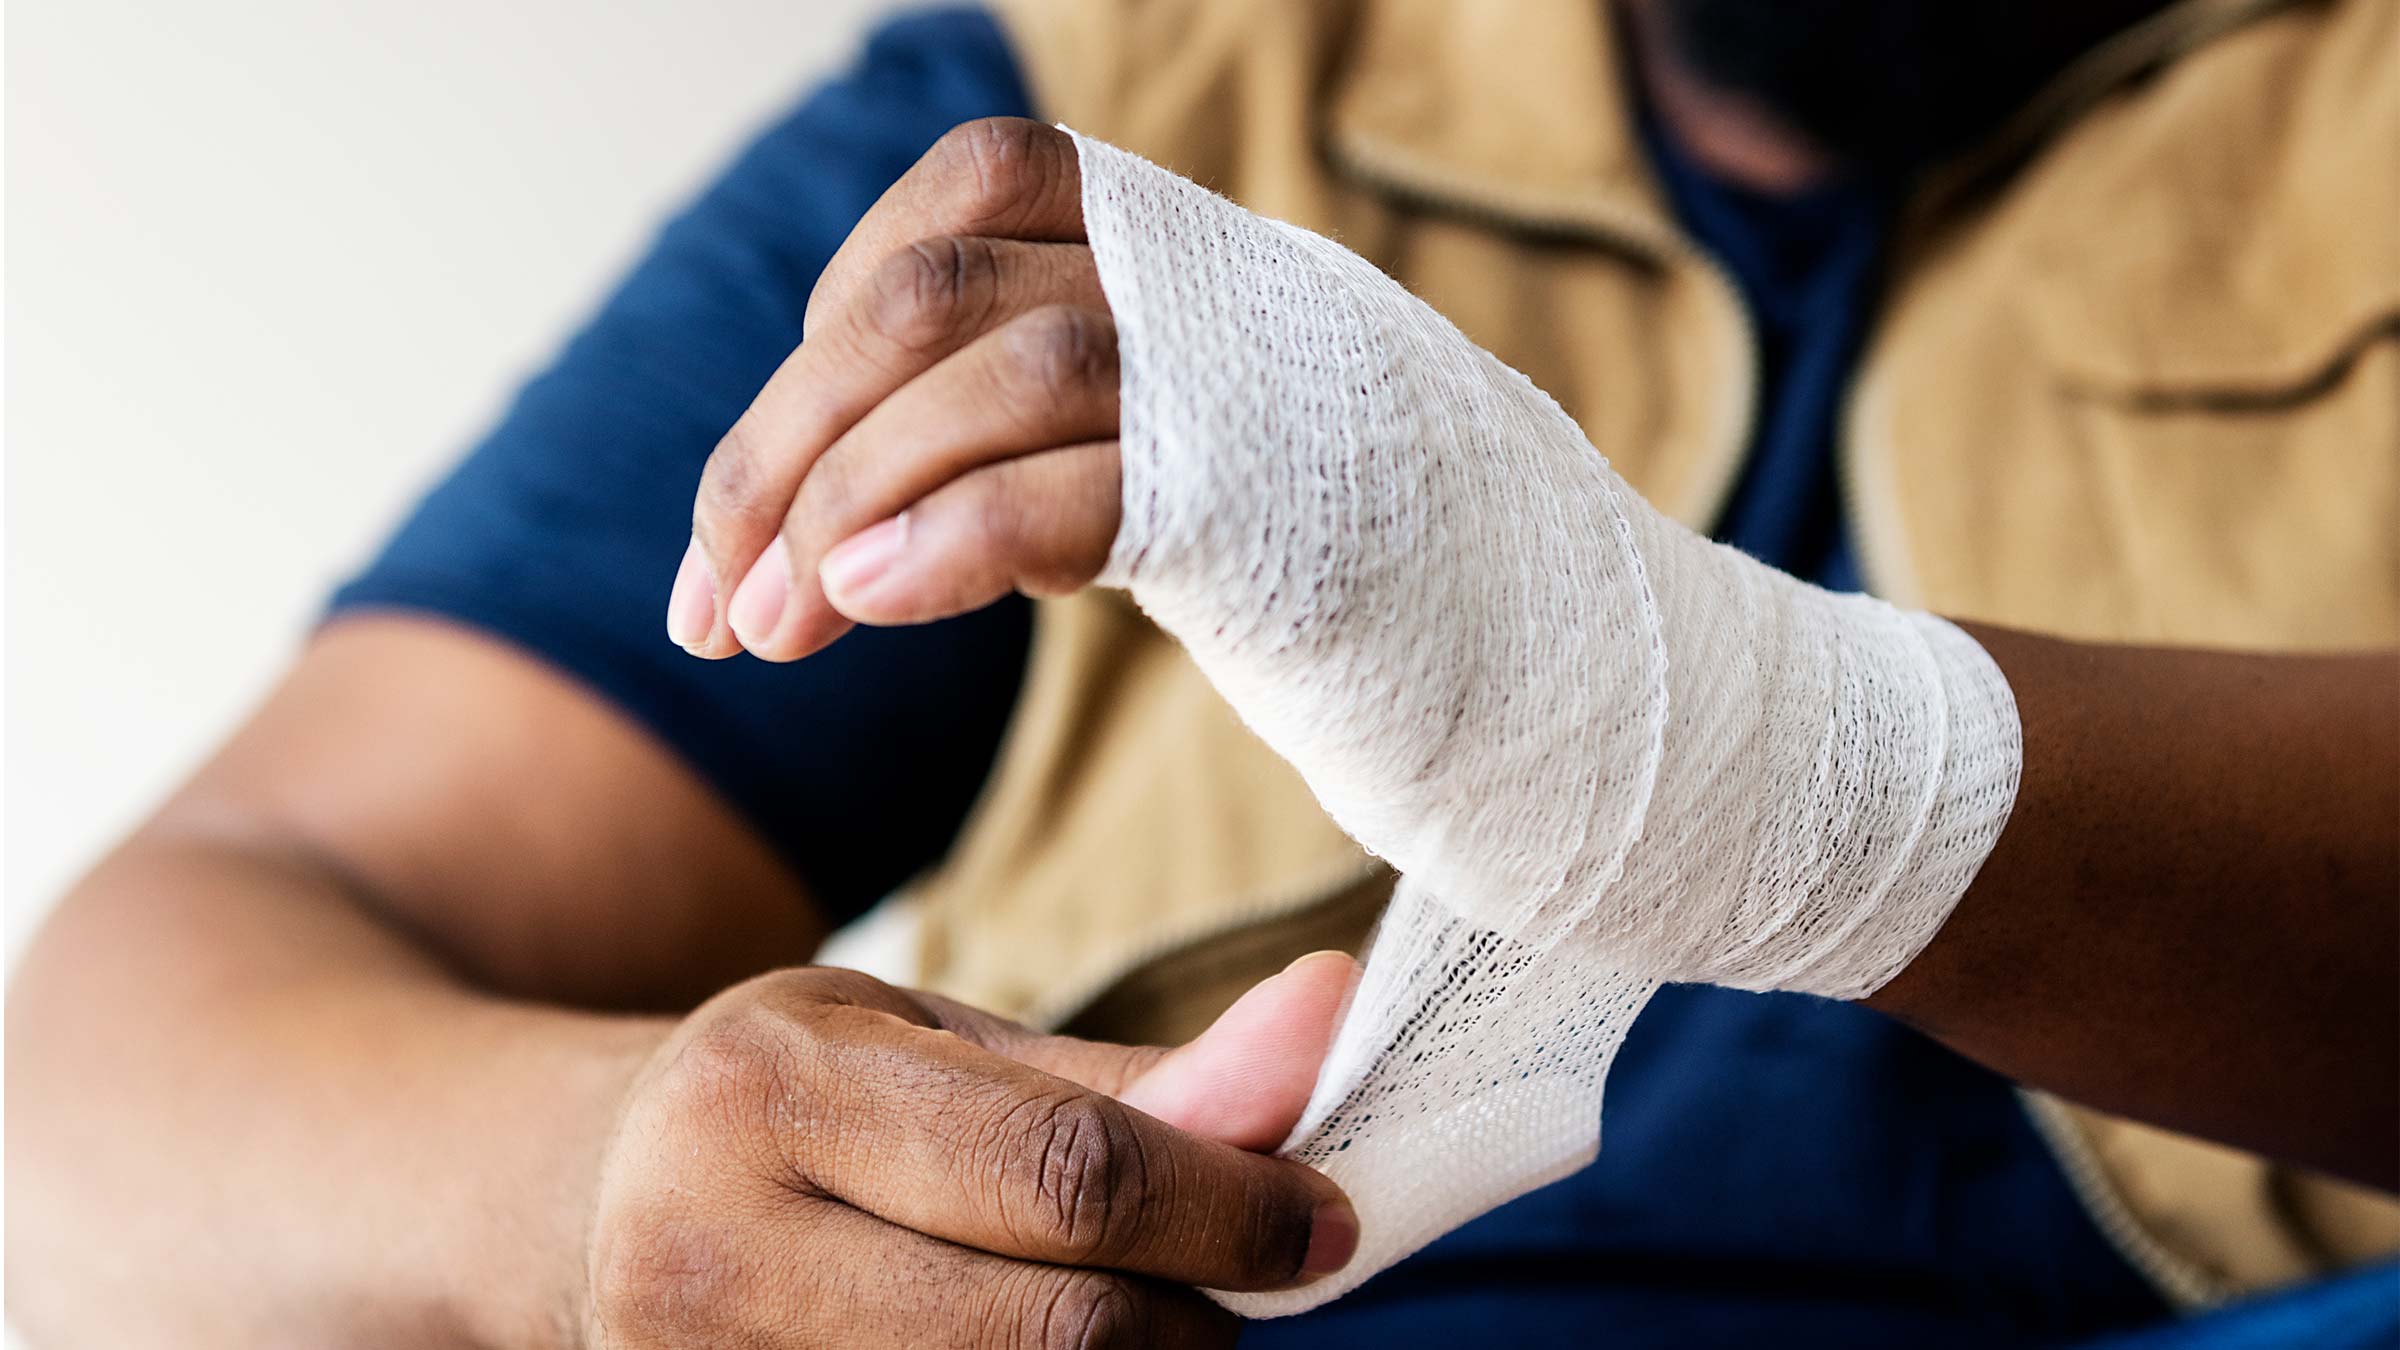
[[2232, 234]]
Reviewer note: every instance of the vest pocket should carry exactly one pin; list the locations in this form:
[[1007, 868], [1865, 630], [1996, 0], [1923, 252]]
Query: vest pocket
[[2256, 506]]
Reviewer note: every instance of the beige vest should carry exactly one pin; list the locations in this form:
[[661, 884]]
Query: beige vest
[[2136, 378]]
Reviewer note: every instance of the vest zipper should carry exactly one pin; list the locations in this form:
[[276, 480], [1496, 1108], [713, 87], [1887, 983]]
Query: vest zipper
[[1879, 570], [2185, 1285]]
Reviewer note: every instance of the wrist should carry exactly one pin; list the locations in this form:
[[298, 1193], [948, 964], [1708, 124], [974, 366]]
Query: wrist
[[558, 1083], [1831, 787]]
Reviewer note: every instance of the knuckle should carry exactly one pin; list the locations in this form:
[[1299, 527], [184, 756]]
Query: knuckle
[[734, 1068], [1002, 165], [735, 497], [1061, 347], [931, 290], [839, 984], [658, 1278], [1085, 1174], [827, 497], [1086, 1311]]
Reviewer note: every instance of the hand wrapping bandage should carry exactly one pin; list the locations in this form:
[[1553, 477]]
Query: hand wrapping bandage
[[1602, 751]]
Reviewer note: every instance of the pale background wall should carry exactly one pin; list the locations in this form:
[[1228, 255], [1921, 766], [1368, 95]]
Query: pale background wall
[[274, 261]]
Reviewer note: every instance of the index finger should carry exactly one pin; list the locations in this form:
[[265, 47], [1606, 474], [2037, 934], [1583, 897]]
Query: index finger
[[1000, 177], [949, 1139]]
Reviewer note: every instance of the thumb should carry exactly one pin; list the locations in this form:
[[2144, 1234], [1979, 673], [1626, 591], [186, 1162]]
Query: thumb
[[1244, 1081], [1247, 1078]]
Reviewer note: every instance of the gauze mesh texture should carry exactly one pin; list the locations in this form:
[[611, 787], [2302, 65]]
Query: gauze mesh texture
[[1602, 751]]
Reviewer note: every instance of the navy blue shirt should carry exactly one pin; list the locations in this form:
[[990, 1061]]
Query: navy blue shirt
[[1806, 267], [1778, 1169], [562, 529]]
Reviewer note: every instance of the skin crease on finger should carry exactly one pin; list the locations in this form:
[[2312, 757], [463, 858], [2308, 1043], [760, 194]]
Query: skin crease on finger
[[1045, 381], [1009, 1217], [1244, 1081], [1040, 524], [903, 302], [1011, 354]]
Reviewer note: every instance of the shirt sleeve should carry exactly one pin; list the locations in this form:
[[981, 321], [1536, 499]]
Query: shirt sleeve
[[561, 530]]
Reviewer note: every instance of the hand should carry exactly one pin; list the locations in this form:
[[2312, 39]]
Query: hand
[[818, 1159], [947, 431]]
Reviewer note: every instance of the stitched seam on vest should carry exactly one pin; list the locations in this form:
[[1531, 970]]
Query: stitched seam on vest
[[2160, 40], [2182, 1282], [2319, 369], [1387, 166]]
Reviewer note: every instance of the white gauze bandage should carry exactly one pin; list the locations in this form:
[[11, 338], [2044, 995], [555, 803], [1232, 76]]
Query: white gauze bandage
[[1602, 751]]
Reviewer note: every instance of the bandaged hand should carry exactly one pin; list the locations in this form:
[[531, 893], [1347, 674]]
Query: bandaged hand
[[1603, 752]]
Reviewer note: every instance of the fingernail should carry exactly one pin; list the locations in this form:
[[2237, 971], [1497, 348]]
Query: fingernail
[[758, 602], [1332, 1239], [692, 605], [1316, 956], [856, 563]]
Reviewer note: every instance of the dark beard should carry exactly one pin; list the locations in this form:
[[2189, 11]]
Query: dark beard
[[1888, 84]]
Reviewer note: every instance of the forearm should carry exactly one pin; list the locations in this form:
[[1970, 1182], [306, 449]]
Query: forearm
[[248, 1113], [2193, 917]]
